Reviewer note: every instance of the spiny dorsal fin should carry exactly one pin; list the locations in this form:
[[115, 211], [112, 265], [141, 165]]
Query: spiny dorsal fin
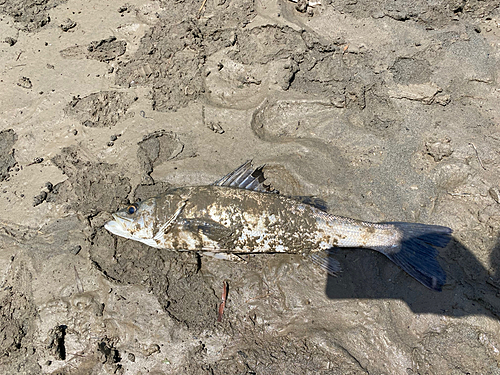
[[246, 177]]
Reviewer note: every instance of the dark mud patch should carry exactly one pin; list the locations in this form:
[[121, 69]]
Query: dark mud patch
[[103, 50], [265, 44], [110, 355], [18, 322], [143, 192], [7, 161], [91, 187], [56, 344], [408, 70], [174, 278], [100, 109], [170, 59], [273, 354], [435, 14], [157, 148], [29, 15]]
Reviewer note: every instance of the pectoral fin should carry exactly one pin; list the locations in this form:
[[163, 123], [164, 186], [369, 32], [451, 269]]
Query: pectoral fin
[[168, 224], [224, 256], [210, 228]]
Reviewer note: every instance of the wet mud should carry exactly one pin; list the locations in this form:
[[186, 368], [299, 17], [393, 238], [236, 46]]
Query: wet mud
[[387, 111]]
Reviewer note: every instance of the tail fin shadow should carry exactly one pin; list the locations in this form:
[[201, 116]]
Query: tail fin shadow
[[470, 288]]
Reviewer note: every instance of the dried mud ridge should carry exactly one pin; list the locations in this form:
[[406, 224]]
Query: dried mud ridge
[[411, 100]]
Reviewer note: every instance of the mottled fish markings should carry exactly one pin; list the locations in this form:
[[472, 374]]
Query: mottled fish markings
[[240, 214]]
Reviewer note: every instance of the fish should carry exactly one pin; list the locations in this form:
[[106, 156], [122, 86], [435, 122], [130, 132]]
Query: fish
[[241, 214]]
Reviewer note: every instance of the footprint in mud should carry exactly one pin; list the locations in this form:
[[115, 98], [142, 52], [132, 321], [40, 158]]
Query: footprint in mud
[[319, 123], [286, 120], [91, 187], [241, 76], [157, 148], [101, 109], [102, 50]]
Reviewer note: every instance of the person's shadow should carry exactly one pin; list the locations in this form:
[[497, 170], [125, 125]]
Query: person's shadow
[[469, 289]]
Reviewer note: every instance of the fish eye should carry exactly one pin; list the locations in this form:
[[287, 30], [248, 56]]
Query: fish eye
[[132, 209]]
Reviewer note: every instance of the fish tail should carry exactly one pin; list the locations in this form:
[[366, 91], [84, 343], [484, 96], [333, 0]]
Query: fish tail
[[417, 254]]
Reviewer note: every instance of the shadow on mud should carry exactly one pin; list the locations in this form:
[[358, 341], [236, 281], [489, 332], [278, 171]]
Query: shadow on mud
[[469, 289]]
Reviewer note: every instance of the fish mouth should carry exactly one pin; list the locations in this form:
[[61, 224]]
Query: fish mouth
[[118, 226]]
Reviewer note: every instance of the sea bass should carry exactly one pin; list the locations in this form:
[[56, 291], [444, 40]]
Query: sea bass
[[240, 214]]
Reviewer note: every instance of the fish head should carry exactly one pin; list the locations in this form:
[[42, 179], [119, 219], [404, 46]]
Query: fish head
[[135, 222]]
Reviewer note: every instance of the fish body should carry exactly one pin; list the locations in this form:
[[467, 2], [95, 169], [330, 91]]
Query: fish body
[[229, 217]]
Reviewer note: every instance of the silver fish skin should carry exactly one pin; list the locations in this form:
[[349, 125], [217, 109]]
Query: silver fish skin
[[232, 220], [240, 214]]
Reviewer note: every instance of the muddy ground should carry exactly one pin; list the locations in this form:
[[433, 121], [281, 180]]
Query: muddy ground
[[388, 110]]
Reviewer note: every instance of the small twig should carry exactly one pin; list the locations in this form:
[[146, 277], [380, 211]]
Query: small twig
[[225, 290], [477, 155], [79, 285], [459, 194], [201, 8]]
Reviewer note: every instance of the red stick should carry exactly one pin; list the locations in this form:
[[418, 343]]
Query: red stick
[[223, 301]]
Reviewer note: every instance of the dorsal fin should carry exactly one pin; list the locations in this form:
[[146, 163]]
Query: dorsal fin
[[246, 177]]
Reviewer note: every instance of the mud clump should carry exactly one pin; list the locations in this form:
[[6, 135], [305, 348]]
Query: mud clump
[[91, 187], [176, 81], [420, 11], [269, 43], [103, 50], [29, 15], [439, 149], [109, 352], [101, 109], [25, 83], [172, 55], [7, 161]]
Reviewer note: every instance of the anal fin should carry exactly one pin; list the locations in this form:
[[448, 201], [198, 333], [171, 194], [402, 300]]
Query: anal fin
[[324, 260]]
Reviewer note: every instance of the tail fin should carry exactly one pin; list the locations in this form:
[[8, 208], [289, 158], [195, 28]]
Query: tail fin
[[417, 254]]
